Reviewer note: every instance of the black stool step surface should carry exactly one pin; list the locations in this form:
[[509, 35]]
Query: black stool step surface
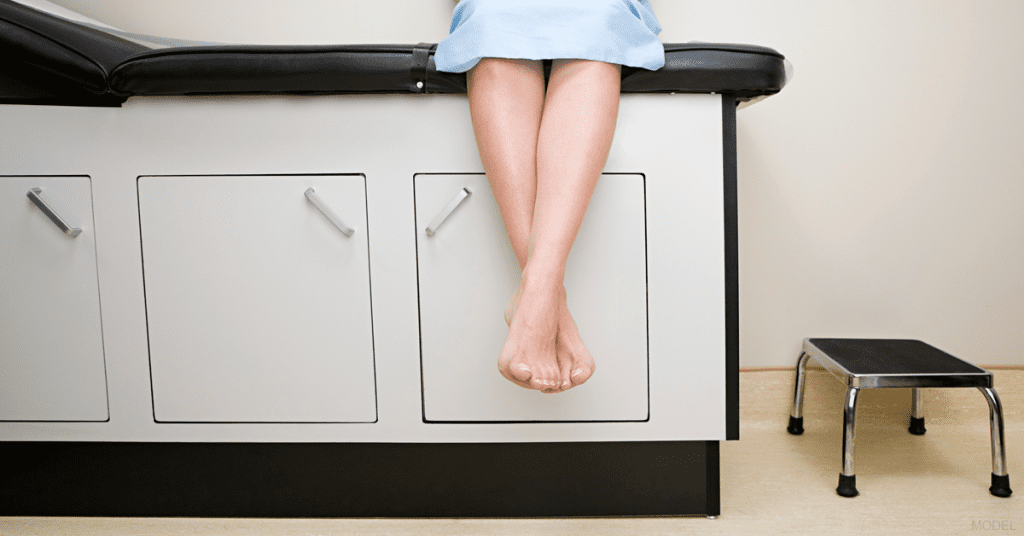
[[895, 363]]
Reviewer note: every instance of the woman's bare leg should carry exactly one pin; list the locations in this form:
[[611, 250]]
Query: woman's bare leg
[[577, 127], [580, 121], [506, 98]]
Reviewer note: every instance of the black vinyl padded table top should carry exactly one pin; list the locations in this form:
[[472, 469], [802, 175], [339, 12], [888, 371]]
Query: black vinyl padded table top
[[46, 59], [892, 356]]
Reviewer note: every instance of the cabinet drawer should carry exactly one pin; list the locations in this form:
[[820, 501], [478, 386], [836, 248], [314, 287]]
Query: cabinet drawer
[[51, 342], [258, 305], [468, 272]]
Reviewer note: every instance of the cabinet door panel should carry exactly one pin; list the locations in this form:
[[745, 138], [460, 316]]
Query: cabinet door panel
[[258, 306], [467, 273], [51, 343]]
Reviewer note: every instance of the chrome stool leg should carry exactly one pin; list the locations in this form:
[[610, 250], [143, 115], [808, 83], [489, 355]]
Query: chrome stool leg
[[796, 420], [1000, 480], [847, 479], [916, 418]]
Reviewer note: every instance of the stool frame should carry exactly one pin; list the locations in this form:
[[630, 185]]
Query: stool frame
[[857, 381]]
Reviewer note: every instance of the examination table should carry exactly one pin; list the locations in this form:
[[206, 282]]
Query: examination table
[[268, 281]]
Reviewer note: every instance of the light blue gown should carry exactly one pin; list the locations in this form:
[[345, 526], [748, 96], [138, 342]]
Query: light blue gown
[[613, 31]]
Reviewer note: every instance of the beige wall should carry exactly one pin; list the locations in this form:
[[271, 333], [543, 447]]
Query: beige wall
[[881, 194]]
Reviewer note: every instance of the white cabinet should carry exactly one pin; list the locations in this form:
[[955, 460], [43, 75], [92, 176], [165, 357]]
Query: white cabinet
[[467, 272], [52, 367], [258, 306], [233, 310]]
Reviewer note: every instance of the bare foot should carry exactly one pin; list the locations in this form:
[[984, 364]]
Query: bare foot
[[529, 357], [575, 364], [570, 345]]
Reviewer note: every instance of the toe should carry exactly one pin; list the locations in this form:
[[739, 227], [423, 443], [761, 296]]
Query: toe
[[520, 372], [539, 384], [554, 379], [517, 374], [564, 383], [580, 375], [541, 380]]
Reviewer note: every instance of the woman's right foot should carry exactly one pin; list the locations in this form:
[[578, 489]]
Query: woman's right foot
[[529, 357]]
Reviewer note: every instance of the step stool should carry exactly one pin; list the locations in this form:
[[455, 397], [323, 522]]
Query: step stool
[[887, 363]]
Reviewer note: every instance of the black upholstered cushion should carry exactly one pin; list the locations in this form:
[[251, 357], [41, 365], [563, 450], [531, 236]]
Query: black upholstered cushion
[[275, 69], [51, 60], [80, 54], [745, 70]]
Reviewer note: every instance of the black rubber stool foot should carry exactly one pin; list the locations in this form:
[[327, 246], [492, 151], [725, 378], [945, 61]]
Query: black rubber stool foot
[[917, 426], [796, 425], [1000, 486], [847, 485]]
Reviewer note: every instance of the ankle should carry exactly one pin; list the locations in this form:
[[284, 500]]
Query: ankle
[[545, 280]]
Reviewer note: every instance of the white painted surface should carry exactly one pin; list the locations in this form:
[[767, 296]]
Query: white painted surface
[[467, 273], [51, 345], [258, 307], [388, 139]]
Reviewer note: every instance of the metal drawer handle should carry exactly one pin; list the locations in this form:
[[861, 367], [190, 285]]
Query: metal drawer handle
[[33, 194], [432, 228], [345, 229]]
